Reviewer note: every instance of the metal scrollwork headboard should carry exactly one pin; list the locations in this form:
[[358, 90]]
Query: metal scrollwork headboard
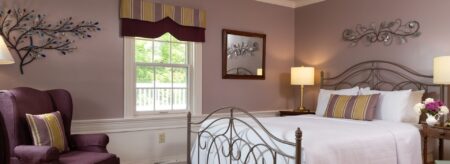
[[382, 75]]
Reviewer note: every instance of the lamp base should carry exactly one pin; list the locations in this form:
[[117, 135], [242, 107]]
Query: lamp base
[[301, 109]]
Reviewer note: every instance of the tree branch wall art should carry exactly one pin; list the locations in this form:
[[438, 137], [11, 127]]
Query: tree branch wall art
[[30, 37]]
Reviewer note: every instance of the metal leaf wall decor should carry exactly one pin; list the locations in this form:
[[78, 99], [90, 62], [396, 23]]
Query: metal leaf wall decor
[[386, 32], [30, 37], [242, 49]]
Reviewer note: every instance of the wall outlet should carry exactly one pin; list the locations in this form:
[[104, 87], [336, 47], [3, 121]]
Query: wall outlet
[[162, 138]]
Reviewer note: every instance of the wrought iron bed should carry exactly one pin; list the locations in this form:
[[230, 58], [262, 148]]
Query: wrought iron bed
[[380, 75]]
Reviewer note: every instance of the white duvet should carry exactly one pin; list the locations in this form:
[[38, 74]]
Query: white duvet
[[325, 141]]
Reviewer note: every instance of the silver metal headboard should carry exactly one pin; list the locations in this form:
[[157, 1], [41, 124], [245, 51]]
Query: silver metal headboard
[[382, 75]]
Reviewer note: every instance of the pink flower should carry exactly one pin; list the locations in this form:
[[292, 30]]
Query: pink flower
[[433, 106]]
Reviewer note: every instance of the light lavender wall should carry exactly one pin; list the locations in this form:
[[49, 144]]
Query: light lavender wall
[[94, 73], [247, 15], [319, 27]]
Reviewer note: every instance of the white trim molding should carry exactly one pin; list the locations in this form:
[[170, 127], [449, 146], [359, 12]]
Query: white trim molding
[[129, 74], [291, 3], [153, 139], [197, 89], [285, 3], [157, 122], [302, 3]]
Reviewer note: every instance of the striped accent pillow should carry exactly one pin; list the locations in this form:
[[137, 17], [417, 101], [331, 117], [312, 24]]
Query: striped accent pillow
[[360, 107], [48, 130]]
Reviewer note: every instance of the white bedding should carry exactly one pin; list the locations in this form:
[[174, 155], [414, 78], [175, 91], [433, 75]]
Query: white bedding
[[325, 141]]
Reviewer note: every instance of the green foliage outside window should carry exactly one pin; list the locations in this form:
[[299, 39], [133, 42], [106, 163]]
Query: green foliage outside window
[[164, 50]]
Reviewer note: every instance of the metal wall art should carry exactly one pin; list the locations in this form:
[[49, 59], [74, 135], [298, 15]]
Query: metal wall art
[[29, 36], [386, 32], [242, 49], [243, 55]]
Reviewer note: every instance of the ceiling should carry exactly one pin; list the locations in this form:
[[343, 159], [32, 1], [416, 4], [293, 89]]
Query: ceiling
[[291, 3]]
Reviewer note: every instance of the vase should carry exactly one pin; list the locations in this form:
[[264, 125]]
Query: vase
[[432, 119]]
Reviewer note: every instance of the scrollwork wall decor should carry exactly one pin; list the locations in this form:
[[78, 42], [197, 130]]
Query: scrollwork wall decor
[[386, 32], [29, 36], [242, 49]]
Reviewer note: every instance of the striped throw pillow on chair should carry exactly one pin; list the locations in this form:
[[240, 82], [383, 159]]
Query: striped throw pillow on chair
[[48, 130], [361, 107]]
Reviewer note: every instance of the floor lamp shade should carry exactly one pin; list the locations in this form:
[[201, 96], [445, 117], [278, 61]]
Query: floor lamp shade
[[5, 55], [441, 70], [302, 76]]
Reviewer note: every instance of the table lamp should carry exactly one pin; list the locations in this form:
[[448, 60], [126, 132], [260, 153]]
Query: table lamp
[[5, 55], [302, 76], [441, 71]]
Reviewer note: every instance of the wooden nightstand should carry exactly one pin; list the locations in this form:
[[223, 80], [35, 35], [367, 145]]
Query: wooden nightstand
[[437, 132], [294, 113]]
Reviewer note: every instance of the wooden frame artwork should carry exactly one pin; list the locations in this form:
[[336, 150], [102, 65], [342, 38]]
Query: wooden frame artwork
[[243, 55]]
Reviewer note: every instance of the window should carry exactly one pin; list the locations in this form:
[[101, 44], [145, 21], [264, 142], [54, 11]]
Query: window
[[159, 75]]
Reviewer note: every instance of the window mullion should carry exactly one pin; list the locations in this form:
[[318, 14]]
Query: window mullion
[[172, 98], [171, 74], [154, 77], [163, 65], [188, 77]]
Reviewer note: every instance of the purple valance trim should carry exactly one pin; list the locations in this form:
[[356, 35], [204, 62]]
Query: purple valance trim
[[138, 28]]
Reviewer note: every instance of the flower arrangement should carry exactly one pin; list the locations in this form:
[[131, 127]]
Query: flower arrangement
[[431, 107], [434, 109]]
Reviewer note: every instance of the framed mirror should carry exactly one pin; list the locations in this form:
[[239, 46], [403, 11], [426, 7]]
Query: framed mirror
[[243, 55]]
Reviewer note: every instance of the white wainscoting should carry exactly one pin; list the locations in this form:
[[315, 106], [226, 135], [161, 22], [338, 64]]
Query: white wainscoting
[[136, 140]]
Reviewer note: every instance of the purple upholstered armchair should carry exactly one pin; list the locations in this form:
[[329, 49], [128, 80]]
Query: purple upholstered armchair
[[84, 149]]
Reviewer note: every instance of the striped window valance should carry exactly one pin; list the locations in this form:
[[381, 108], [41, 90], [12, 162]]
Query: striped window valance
[[144, 18]]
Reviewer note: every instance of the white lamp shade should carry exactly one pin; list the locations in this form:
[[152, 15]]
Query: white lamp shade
[[441, 70], [302, 76], [5, 55]]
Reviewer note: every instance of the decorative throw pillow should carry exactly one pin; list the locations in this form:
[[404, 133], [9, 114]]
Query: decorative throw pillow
[[324, 98], [352, 107], [411, 116], [48, 130]]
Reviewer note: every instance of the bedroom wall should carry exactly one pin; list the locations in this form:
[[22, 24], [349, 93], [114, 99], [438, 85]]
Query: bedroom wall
[[94, 72], [319, 27]]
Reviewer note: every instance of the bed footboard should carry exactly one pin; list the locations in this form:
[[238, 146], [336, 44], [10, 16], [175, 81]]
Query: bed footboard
[[230, 145]]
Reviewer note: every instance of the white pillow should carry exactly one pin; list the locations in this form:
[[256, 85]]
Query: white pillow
[[363, 89], [391, 104], [324, 97], [411, 116]]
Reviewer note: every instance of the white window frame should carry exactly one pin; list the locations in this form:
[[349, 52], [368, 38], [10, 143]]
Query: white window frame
[[194, 103]]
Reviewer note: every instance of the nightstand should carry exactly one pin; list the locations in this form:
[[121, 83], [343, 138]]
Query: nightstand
[[436, 132], [294, 113]]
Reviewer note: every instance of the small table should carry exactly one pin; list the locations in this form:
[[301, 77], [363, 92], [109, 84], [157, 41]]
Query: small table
[[294, 113], [438, 132]]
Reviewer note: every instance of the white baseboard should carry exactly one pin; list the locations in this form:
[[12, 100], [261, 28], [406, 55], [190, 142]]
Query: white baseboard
[[139, 124], [136, 140]]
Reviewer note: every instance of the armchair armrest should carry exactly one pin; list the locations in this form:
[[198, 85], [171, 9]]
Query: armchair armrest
[[36, 154], [90, 142]]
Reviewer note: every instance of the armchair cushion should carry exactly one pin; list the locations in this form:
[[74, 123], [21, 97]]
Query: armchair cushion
[[36, 154], [48, 130], [90, 142]]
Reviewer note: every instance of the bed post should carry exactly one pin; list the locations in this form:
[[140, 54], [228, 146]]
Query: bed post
[[189, 138], [298, 146]]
